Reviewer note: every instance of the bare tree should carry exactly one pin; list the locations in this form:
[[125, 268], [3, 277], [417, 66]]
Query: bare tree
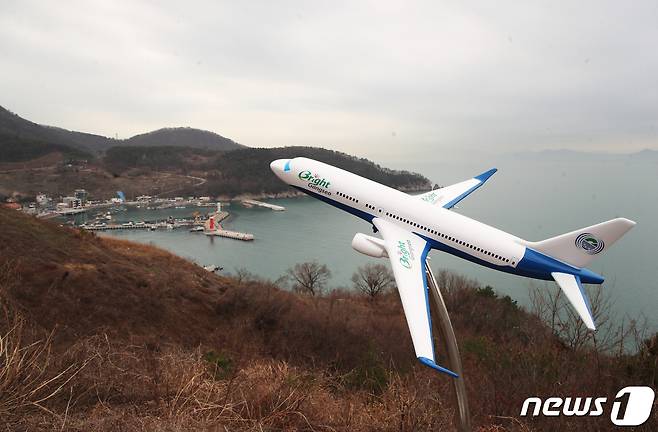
[[373, 279], [551, 305], [242, 275], [309, 277]]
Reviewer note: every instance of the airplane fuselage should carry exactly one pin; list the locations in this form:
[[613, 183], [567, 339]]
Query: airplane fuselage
[[443, 229]]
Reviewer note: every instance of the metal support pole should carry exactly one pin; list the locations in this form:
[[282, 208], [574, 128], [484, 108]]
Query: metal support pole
[[445, 328]]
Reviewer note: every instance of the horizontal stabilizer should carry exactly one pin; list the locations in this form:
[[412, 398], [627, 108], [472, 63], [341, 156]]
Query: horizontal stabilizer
[[580, 247], [433, 365], [573, 289]]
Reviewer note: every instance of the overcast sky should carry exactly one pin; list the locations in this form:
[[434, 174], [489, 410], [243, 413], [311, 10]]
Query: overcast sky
[[378, 79]]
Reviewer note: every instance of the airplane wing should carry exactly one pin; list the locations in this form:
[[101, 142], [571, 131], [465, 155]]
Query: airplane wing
[[448, 196], [407, 253]]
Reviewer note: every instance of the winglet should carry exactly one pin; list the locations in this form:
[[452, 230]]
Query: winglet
[[485, 175], [433, 365], [448, 196]]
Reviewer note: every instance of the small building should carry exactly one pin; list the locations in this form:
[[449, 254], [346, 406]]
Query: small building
[[42, 200], [82, 195], [71, 202]]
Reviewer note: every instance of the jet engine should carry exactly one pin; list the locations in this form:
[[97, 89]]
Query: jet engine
[[371, 246]]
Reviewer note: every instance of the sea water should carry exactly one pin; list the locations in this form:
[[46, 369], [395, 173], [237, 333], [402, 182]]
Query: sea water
[[531, 199]]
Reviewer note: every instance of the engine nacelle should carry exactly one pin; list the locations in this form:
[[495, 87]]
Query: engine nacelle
[[371, 246]]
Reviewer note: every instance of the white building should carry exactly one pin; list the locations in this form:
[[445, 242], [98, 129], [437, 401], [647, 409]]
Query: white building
[[42, 200], [72, 202]]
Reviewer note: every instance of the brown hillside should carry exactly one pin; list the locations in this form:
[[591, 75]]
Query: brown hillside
[[99, 334], [84, 285], [75, 281]]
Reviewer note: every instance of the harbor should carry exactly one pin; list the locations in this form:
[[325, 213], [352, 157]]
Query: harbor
[[209, 226], [270, 230], [101, 216]]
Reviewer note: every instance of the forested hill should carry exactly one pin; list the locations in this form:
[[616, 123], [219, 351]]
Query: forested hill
[[199, 162], [17, 149], [249, 169], [246, 171]]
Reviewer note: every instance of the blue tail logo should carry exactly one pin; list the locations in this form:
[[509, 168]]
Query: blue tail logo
[[589, 243]]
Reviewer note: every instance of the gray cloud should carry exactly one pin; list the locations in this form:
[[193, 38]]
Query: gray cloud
[[385, 80]]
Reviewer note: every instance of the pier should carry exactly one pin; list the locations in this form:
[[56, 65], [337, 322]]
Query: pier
[[139, 225], [71, 211], [213, 228], [230, 234], [251, 203], [114, 227], [220, 216]]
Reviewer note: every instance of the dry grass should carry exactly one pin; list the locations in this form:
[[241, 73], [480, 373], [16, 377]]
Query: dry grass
[[133, 389], [30, 375]]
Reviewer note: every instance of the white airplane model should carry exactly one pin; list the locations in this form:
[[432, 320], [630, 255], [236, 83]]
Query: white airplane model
[[412, 225]]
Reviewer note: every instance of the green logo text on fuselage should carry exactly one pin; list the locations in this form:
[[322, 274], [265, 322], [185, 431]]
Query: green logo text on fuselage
[[314, 179]]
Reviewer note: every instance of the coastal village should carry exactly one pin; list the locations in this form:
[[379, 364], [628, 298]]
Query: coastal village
[[100, 214]]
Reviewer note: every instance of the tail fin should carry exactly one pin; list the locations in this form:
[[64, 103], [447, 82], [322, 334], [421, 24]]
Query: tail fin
[[580, 247]]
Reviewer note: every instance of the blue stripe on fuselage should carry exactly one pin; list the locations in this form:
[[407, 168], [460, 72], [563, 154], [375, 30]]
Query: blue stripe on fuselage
[[539, 266], [533, 264]]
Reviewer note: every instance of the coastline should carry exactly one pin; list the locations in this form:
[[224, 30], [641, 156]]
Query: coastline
[[297, 194]]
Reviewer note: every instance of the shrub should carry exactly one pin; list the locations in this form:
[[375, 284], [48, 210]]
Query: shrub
[[221, 366]]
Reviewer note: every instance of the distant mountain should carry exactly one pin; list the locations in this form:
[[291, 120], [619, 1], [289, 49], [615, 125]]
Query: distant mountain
[[15, 126], [182, 137], [574, 155], [646, 154]]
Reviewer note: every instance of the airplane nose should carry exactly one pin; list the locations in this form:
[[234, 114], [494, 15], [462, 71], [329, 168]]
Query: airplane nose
[[279, 165]]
